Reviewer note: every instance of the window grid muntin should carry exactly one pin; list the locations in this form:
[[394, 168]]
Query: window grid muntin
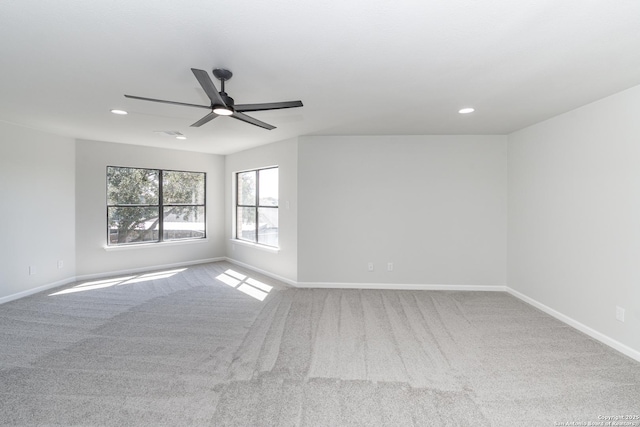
[[160, 206], [256, 204]]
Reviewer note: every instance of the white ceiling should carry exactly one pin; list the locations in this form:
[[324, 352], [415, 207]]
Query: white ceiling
[[361, 67]]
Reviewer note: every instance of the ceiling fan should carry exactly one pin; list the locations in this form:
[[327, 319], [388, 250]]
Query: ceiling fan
[[222, 104]]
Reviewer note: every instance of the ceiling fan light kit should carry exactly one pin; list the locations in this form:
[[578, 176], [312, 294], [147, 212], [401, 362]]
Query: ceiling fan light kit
[[222, 111], [222, 104]]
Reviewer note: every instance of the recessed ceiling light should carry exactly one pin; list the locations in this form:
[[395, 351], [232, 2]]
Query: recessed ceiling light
[[120, 112], [181, 137], [466, 110]]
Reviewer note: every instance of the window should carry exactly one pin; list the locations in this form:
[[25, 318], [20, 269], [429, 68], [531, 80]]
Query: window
[[152, 205], [257, 206]]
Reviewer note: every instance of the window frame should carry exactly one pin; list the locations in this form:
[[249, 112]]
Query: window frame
[[255, 206], [160, 206]]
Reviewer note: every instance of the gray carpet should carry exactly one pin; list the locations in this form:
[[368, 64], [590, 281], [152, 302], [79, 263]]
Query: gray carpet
[[199, 347]]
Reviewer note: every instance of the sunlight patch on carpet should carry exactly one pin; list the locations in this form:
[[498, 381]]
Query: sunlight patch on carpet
[[252, 287], [119, 281]]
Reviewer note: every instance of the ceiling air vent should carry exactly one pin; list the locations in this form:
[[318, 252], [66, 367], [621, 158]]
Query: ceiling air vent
[[173, 133]]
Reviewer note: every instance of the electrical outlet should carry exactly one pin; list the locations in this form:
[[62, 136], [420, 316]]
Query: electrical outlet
[[370, 266], [389, 266], [32, 270], [60, 264], [620, 314]]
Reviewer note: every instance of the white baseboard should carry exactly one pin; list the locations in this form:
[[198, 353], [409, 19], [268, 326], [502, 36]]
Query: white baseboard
[[105, 274], [401, 286], [616, 345], [622, 348], [264, 272], [145, 269], [389, 286], [28, 292]]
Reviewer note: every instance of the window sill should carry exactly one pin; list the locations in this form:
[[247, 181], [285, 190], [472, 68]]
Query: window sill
[[272, 249], [154, 244]]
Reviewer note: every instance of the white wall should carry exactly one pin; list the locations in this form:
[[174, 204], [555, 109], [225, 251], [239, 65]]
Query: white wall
[[92, 159], [282, 263], [435, 206], [37, 212], [574, 214]]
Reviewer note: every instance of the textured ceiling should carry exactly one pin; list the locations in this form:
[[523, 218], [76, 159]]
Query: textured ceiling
[[360, 67]]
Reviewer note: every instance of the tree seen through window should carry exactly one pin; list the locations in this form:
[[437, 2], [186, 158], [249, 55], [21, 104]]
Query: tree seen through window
[[152, 205]]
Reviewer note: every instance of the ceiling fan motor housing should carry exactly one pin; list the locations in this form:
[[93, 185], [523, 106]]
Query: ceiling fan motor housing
[[227, 99]]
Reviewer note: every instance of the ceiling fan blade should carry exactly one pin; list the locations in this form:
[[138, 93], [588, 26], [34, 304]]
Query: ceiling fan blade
[[248, 119], [268, 106], [205, 119], [208, 86], [208, 107]]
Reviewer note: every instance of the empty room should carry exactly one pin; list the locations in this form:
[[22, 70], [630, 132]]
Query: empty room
[[343, 213]]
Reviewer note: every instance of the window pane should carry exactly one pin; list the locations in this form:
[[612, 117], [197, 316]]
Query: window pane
[[132, 224], [183, 222], [129, 186], [268, 190], [246, 224], [268, 226], [247, 188], [183, 188]]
